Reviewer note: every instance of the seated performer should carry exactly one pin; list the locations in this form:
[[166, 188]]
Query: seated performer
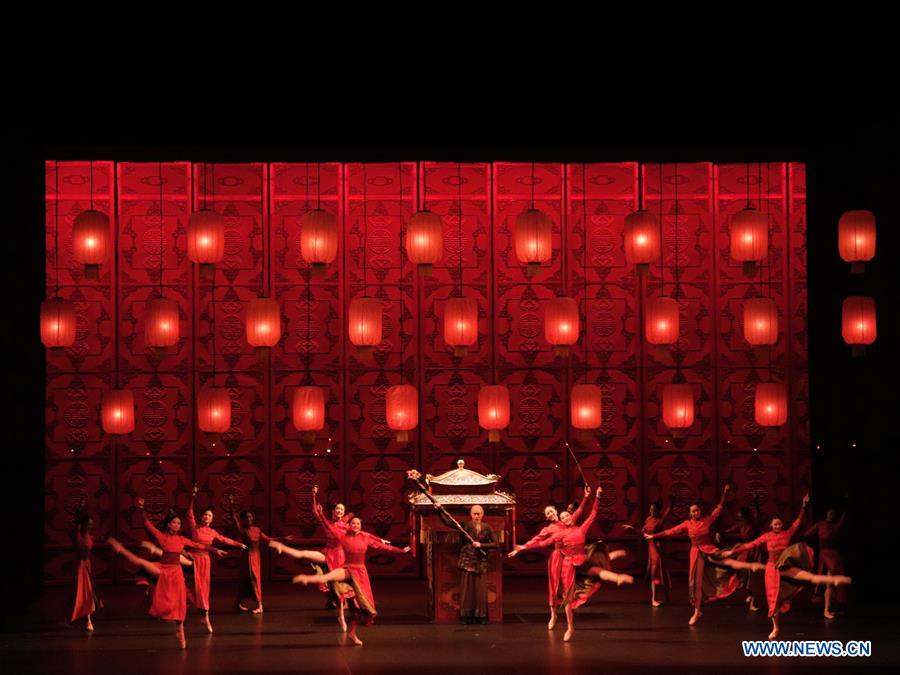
[[355, 543], [582, 566], [786, 567]]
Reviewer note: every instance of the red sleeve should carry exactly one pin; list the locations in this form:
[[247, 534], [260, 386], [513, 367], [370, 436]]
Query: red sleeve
[[375, 542], [536, 540], [190, 543], [747, 545], [152, 529], [681, 528], [264, 538], [796, 524], [226, 540], [586, 525], [716, 512], [192, 521], [579, 510], [543, 541]]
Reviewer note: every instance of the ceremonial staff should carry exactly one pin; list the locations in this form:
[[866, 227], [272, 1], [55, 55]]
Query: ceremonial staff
[[414, 475]]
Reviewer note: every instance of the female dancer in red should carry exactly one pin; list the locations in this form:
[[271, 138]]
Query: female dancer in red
[[709, 578], [744, 530], [250, 587], [554, 561], [355, 543], [656, 566], [329, 558], [208, 536], [86, 600], [786, 563], [581, 565], [830, 560]]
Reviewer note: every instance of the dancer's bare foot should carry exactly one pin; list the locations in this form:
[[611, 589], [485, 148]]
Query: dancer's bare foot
[[115, 544], [258, 610], [278, 546], [88, 626], [624, 579], [151, 548], [242, 608], [773, 634], [179, 633], [552, 622], [758, 567], [302, 579], [342, 623], [695, 617], [828, 615], [355, 638], [655, 603], [838, 580], [618, 553], [205, 621], [569, 632]]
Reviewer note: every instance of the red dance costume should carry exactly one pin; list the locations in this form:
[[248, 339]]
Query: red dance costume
[[206, 536], [333, 551], [170, 593], [251, 582], [86, 602], [707, 581], [830, 560], [776, 544], [355, 546], [554, 562], [656, 566], [571, 542]]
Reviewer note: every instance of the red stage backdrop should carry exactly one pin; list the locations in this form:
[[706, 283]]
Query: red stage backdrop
[[260, 461]]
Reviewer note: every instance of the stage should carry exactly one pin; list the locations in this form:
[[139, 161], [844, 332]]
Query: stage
[[617, 632]]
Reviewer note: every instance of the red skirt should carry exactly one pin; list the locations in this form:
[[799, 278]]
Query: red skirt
[[362, 604], [170, 594], [708, 579], [554, 572], [578, 576], [86, 602], [251, 582], [656, 567], [202, 571], [781, 587]]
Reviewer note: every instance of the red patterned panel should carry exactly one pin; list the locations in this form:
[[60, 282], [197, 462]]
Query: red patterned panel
[[684, 477], [761, 481], [448, 419], [66, 484], [702, 434], [619, 476], [537, 401], [72, 417], [163, 484], [798, 359], [367, 430], [737, 395], [143, 247], [163, 415], [620, 429], [286, 438], [248, 434]]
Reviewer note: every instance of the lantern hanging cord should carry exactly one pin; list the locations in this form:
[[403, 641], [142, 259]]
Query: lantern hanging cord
[[365, 232], [162, 246], [662, 270], [748, 185], [532, 184], [762, 264], [459, 224], [400, 225], [675, 228], [56, 230], [584, 221], [91, 183]]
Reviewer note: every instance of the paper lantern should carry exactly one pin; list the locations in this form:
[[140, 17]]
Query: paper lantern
[[365, 319], [858, 323], [263, 324], [319, 239], [161, 323], [760, 321], [425, 240], [678, 407], [661, 321], [117, 411], [58, 323], [856, 238], [461, 324], [206, 240], [586, 406], [771, 404], [749, 236], [401, 405], [90, 241], [493, 410], [641, 236], [533, 239], [308, 412], [561, 325], [214, 411]]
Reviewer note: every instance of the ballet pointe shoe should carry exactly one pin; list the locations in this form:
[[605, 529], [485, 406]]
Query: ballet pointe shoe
[[570, 631], [695, 617], [552, 622]]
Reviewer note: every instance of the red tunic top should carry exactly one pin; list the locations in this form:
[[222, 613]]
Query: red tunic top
[[334, 531], [355, 547], [699, 532], [85, 600], [202, 572], [169, 593]]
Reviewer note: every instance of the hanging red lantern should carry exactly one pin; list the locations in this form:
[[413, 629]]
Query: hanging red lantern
[[749, 238], [760, 321], [661, 321], [401, 406], [771, 404], [263, 320], [641, 234], [461, 324], [425, 240], [858, 323], [308, 412], [206, 240], [319, 239], [493, 409], [90, 241], [161, 323], [58, 323], [117, 411], [533, 239], [678, 407], [856, 239], [586, 406], [561, 325], [214, 412], [365, 323]]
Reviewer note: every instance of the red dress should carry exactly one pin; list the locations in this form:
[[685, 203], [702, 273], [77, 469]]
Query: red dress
[[362, 604], [170, 593], [656, 566], [554, 562], [206, 536], [251, 581], [707, 580], [830, 560], [574, 554], [86, 601], [777, 544]]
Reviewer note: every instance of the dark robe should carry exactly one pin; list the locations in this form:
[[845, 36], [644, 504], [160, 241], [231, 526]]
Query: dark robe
[[473, 568]]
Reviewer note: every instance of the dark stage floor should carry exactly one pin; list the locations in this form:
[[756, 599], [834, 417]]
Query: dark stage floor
[[618, 631]]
